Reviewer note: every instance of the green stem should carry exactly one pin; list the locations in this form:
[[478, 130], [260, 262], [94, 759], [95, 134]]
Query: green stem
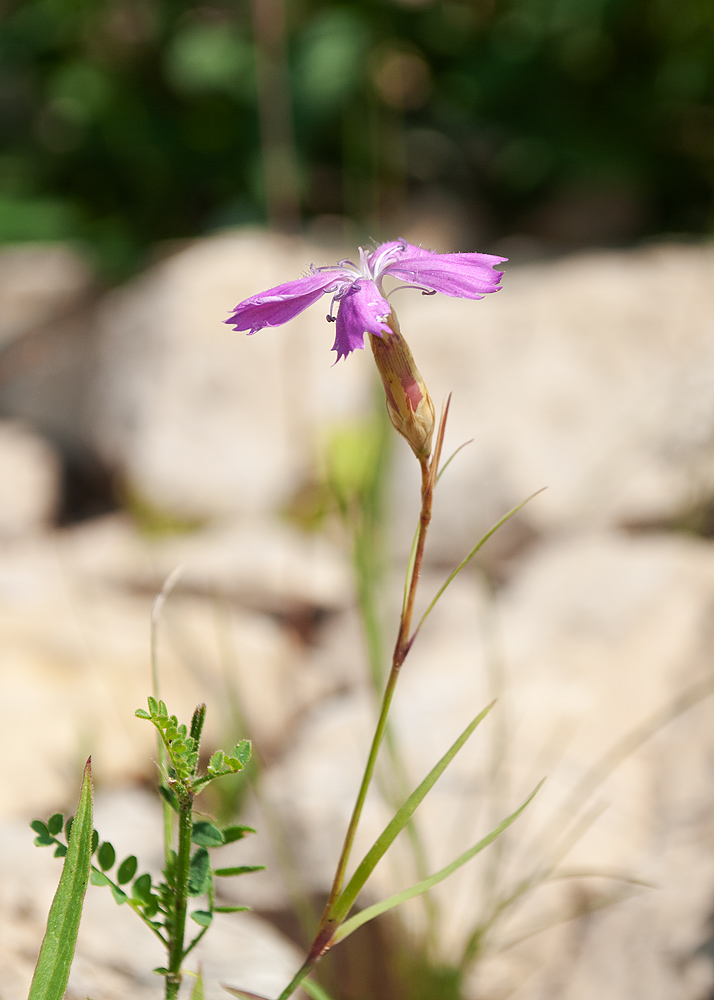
[[301, 973], [326, 928], [178, 922]]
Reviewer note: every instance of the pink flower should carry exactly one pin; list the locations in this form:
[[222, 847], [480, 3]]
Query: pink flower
[[361, 304]]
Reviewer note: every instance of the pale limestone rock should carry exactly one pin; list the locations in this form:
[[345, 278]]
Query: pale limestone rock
[[201, 420], [75, 654], [591, 375], [29, 481]]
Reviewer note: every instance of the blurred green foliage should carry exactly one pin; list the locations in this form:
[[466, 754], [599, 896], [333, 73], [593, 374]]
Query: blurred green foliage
[[125, 122]]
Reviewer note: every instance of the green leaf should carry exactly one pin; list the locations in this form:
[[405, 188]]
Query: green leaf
[[398, 822], [95, 840], [141, 713], [231, 909], [243, 994], [55, 823], [206, 834], [61, 850], [241, 752], [141, 888], [106, 856], [351, 925], [314, 990], [199, 872], [68, 828], [119, 895], [44, 838], [467, 559], [233, 833], [127, 870], [202, 917], [52, 970], [98, 878], [197, 991], [168, 796], [240, 870]]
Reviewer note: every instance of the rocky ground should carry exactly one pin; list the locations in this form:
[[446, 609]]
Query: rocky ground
[[591, 616]]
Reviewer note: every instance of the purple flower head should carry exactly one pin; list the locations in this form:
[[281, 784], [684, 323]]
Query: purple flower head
[[357, 290]]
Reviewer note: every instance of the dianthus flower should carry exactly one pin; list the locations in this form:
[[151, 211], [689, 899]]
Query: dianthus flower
[[357, 290]]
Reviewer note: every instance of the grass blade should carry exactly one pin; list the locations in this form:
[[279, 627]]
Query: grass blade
[[451, 458], [377, 909], [399, 821], [197, 993], [314, 990], [52, 970], [243, 994], [467, 559]]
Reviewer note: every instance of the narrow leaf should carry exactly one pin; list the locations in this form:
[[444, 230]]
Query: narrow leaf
[[399, 821], [351, 925], [239, 870], [197, 992], [243, 994], [467, 559], [52, 970], [231, 909], [314, 990]]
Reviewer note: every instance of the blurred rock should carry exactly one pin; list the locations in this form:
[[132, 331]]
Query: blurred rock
[[237, 632], [29, 481], [590, 651], [590, 375], [198, 419], [38, 283], [46, 342]]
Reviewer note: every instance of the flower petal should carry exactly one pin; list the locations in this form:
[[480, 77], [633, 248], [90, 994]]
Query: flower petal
[[464, 275], [363, 309], [280, 304]]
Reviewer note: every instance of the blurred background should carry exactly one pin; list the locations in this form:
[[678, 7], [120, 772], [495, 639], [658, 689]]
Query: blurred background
[[525, 124], [161, 161]]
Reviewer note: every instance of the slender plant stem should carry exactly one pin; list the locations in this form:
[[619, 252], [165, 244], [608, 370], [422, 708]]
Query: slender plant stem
[[156, 612], [327, 928], [178, 928]]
